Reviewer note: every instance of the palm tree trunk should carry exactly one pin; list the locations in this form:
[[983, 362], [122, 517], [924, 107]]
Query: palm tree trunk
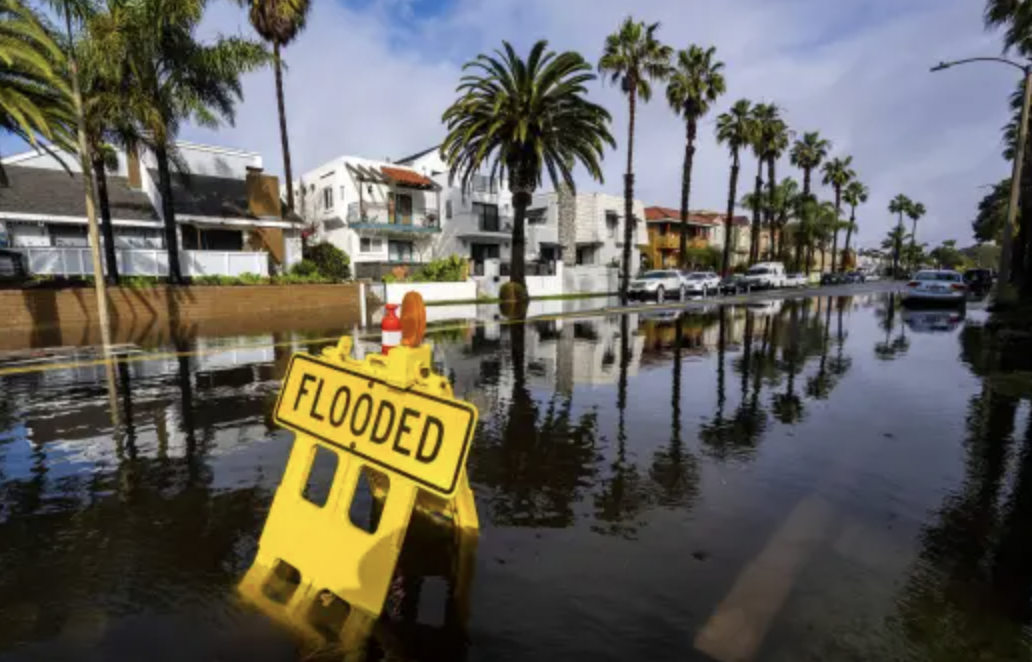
[[175, 272], [284, 142], [806, 183], [771, 187], [625, 280], [913, 244], [849, 230], [896, 245], [834, 236], [754, 243], [686, 187], [799, 251], [517, 267], [729, 219], [110, 258]]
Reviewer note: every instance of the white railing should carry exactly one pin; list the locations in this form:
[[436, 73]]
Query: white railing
[[64, 261]]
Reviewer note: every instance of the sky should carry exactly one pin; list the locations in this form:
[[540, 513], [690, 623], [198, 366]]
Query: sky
[[372, 77]]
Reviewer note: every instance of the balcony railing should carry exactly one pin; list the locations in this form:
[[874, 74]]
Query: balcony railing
[[64, 261], [378, 216]]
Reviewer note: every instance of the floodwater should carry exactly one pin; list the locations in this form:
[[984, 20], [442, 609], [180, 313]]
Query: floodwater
[[809, 479]]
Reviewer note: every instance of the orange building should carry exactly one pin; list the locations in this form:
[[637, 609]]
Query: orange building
[[704, 228]]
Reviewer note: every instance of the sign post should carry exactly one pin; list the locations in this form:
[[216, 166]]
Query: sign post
[[392, 421]]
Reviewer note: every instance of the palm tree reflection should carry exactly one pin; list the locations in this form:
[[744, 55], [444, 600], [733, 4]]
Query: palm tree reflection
[[675, 470]]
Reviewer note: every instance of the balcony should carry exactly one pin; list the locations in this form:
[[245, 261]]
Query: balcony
[[377, 218], [667, 242], [472, 226], [73, 261]]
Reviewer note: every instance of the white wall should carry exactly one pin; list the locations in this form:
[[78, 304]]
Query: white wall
[[465, 291], [544, 286], [590, 280], [218, 161]]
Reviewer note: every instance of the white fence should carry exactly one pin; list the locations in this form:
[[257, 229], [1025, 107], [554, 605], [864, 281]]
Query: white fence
[[464, 291], [591, 280], [61, 261]]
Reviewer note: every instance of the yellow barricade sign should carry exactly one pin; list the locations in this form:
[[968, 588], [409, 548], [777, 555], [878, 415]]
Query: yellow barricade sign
[[389, 420], [420, 436]]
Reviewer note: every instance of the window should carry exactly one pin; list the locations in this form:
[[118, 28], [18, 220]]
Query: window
[[536, 216], [367, 245], [612, 221], [69, 235], [447, 209], [399, 251], [487, 217], [484, 184], [327, 197]]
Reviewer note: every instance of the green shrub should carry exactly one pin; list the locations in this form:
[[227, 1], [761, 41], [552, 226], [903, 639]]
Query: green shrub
[[512, 292], [252, 279], [305, 268], [390, 278], [451, 269], [330, 261]]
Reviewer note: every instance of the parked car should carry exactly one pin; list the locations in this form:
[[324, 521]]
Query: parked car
[[936, 286], [830, 278], [766, 275], [12, 267], [734, 284], [872, 276], [701, 282], [978, 280], [855, 277], [796, 280], [656, 285]]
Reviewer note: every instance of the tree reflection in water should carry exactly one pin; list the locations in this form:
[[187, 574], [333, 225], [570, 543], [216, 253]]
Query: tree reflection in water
[[969, 595], [674, 470], [623, 496], [890, 348], [536, 464]]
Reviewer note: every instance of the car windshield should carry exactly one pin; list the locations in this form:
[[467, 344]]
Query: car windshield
[[759, 271], [656, 275], [947, 276]]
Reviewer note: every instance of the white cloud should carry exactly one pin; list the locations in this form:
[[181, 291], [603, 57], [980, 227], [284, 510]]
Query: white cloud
[[375, 81]]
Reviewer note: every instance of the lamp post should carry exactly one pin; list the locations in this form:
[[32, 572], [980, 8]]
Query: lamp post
[[1019, 156]]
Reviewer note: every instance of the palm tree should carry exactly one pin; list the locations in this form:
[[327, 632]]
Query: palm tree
[[775, 141], [855, 195], [170, 77], [807, 154], [838, 173], [696, 81], [785, 202], [894, 242], [736, 129], [827, 225], [522, 118], [1016, 19], [763, 116], [899, 205], [279, 22], [633, 57], [35, 100], [914, 213]]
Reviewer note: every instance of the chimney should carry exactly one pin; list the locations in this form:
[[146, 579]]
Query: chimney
[[263, 199], [133, 165]]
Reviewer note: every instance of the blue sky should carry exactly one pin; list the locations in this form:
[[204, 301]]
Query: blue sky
[[372, 77]]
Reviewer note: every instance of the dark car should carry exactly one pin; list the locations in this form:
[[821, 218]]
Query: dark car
[[832, 279], [12, 267], [978, 280], [733, 284], [855, 277]]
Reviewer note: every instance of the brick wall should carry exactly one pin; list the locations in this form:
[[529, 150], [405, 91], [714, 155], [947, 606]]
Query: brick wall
[[34, 313]]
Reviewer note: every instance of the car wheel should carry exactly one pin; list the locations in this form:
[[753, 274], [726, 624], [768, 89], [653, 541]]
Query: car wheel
[[660, 295]]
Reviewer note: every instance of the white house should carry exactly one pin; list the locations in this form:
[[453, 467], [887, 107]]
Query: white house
[[407, 212], [228, 214]]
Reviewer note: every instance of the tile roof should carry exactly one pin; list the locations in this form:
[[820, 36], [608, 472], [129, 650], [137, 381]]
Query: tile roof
[[406, 177], [694, 217], [56, 193]]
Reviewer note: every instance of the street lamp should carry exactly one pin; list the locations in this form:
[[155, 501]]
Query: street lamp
[[1019, 156]]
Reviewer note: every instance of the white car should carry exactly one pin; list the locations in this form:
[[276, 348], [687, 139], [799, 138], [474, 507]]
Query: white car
[[796, 280], [936, 286], [765, 275], [701, 282], [659, 285]]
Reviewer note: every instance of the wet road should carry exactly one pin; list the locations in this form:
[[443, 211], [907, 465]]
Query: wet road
[[818, 478]]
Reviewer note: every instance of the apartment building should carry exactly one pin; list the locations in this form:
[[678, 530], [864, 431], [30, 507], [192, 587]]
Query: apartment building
[[407, 212]]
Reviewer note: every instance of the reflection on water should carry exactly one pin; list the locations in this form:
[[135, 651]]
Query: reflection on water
[[631, 472]]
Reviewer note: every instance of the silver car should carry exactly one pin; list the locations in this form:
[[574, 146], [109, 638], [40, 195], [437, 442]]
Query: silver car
[[659, 285], [701, 282]]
